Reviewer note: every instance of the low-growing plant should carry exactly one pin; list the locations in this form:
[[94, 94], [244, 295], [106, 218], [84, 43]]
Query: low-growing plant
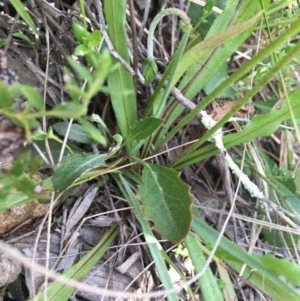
[[161, 201]]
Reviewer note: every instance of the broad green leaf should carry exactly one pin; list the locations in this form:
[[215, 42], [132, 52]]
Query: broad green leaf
[[207, 282], [257, 272], [20, 8], [62, 292], [77, 132], [166, 201], [144, 128], [73, 166], [124, 106]]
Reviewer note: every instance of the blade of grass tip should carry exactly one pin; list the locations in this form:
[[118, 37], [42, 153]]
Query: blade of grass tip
[[154, 246]]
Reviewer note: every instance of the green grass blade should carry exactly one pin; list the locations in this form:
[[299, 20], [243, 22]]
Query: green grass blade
[[62, 292], [192, 56], [207, 65], [207, 281], [260, 83], [257, 272], [120, 80], [20, 8], [154, 246]]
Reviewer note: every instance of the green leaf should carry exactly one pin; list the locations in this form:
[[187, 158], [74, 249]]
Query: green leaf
[[77, 132], [256, 271], [20, 8], [216, 80], [93, 58], [25, 38], [81, 34], [124, 106], [11, 198], [2, 42], [73, 166], [55, 149], [60, 291], [95, 39], [145, 128], [82, 50], [166, 201], [207, 281], [282, 267]]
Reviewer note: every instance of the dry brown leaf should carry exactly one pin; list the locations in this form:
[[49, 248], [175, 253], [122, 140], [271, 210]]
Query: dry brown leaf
[[220, 111]]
